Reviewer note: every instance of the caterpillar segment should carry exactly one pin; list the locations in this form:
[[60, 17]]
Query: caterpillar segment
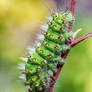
[[57, 49], [42, 64], [54, 36], [36, 59]]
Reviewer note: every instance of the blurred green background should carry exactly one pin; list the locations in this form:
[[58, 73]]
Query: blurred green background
[[20, 22]]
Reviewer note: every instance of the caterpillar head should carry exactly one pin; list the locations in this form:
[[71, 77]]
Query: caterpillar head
[[69, 17]]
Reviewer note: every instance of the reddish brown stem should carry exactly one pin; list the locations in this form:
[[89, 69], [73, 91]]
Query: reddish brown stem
[[64, 56], [72, 9], [58, 72], [81, 39], [56, 76]]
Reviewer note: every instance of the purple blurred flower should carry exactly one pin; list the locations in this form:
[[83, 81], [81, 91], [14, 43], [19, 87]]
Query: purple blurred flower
[[61, 3], [90, 5]]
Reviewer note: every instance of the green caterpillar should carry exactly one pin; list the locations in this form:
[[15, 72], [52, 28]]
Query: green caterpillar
[[42, 65]]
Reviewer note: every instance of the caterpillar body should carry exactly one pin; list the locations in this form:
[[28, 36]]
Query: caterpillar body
[[42, 65]]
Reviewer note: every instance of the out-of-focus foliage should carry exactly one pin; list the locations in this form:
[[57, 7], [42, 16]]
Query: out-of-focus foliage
[[20, 22]]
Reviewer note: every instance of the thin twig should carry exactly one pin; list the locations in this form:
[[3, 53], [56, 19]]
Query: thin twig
[[72, 8], [81, 39], [58, 72], [65, 56]]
